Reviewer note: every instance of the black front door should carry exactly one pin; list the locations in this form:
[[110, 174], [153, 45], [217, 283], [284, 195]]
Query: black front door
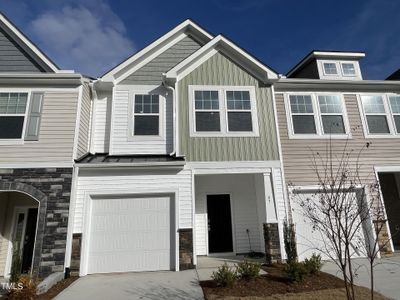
[[29, 240], [219, 224], [392, 204]]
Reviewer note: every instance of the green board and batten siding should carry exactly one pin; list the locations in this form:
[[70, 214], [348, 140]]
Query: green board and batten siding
[[220, 70]]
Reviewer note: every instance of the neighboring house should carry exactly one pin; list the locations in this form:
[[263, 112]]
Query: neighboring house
[[327, 88], [184, 159], [38, 142]]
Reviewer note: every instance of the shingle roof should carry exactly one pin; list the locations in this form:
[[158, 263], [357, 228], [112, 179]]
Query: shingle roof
[[105, 158]]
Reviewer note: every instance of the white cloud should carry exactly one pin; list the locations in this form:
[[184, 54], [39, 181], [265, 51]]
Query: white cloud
[[89, 39]]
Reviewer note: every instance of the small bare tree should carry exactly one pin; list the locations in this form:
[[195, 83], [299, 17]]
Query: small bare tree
[[345, 209]]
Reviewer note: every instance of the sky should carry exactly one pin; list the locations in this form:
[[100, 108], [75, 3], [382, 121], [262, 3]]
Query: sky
[[93, 36]]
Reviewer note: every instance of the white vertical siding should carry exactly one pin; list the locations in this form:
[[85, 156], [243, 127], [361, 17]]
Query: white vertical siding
[[102, 122], [244, 207], [122, 141], [279, 193], [84, 121], [113, 182]]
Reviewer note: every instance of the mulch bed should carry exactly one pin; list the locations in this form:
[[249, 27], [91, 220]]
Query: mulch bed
[[275, 282], [56, 289]]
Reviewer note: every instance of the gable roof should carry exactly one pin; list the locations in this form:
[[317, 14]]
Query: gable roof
[[134, 62], [394, 76], [229, 49], [38, 56], [314, 54]]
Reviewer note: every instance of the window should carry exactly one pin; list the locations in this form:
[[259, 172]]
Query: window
[[239, 111], [223, 111], [348, 69], [12, 114], [207, 111], [146, 115], [330, 69], [395, 108], [302, 114], [316, 116], [331, 114], [375, 114]]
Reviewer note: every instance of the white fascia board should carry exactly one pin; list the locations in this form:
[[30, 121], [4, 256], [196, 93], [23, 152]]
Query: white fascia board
[[228, 48], [181, 28], [321, 54], [37, 165], [232, 167], [28, 43], [132, 165], [286, 84]]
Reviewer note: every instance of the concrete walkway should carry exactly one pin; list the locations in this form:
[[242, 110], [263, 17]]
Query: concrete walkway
[[147, 285], [386, 274]]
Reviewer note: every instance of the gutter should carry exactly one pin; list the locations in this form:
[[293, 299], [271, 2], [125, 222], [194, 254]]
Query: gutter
[[133, 165], [63, 79], [174, 109]]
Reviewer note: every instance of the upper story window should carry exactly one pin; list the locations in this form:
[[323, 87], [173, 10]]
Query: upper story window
[[146, 115], [381, 115], [316, 116], [348, 69], [223, 111], [208, 116], [330, 68], [395, 108], [13, 110]]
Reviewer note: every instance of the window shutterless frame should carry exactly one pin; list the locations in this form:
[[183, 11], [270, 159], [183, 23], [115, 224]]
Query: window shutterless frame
[[387, 113], [224, 126], [132, 114], [334, 63], [394, 105], [317, 117], [343, 69], [17, 141]]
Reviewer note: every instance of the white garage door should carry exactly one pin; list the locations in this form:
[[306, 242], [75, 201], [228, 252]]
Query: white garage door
[[130, 234], [311, 241]]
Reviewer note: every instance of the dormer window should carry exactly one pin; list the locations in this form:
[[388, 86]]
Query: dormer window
[[348, 69], [330, 69]]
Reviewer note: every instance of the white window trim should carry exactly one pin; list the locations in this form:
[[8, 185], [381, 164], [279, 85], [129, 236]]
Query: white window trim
[[392, 114], [388, 113], [330, 62], [317, 117], [131, 116], [349, 63], [223, 111], [21, 141]]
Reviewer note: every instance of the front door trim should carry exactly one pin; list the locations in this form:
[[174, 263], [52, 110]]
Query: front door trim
[[17, 210], [232, 222]]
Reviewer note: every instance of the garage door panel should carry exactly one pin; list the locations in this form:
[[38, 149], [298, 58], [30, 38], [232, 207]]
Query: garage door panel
[[310, 240], [130, 234]]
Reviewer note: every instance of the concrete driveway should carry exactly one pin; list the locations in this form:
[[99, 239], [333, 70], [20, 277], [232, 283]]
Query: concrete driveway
[[387, 274], [147, 285]]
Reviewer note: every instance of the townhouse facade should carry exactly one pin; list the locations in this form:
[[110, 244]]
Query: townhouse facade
[[191, 147], [39, 139]]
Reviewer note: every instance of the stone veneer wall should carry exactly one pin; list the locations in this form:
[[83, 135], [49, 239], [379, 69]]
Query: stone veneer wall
[[52, 188], [185, 249], [272, 244]]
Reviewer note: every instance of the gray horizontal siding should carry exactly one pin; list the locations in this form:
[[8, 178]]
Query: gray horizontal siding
[[56, 135], [13, 58], [297, 152], [219, 70], [151, 73]]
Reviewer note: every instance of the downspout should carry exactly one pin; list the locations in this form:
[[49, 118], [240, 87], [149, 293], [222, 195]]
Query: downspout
[[174, 112]]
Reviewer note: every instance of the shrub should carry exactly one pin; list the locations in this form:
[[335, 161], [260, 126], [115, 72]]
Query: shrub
[[224, 276], [314, 264], [16, 263], [25, 288], [248, 270], [295, 271], [290, 242]]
